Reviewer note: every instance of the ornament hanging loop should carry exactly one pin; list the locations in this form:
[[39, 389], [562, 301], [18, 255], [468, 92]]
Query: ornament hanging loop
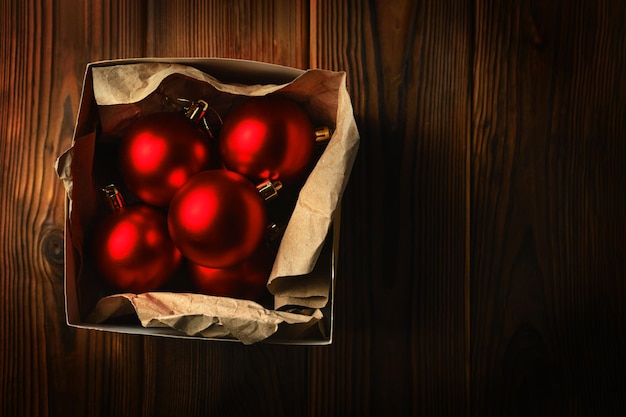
[[207, 126], [196, 111]]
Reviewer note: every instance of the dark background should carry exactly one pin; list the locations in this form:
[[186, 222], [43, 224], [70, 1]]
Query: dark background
[[483, 241]]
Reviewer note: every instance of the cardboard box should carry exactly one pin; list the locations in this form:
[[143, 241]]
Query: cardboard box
[[83, 291]]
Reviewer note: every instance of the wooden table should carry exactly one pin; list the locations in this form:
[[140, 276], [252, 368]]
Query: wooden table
[[483, 248]]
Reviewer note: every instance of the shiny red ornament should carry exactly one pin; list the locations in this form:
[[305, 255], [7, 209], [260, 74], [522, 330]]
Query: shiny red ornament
[[247, 280], [268, 138], [217, 219], [160, 152], [132, 249]]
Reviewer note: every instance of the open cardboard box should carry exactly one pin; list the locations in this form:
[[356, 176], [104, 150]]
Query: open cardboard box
[[293, 298]]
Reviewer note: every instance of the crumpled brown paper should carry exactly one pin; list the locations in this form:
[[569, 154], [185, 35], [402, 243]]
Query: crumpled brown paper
[[200, 315], [125, 92]]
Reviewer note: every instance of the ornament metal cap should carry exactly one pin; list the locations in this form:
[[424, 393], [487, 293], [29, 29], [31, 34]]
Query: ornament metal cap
[[323, 134], [268, 189], [273, 235], [114, 197]]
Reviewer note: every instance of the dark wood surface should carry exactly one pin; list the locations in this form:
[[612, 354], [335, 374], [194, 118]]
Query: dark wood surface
[[483, 244]]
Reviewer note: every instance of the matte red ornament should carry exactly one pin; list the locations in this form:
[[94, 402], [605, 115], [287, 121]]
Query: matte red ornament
[[247, 280], [132, 250], [160, 152], [268, 138], [217, 219]]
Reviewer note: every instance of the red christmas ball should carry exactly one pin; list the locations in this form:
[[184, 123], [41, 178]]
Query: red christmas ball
[[217, 219], [160, 152], [246, 280], [132, 249], [267, 138]]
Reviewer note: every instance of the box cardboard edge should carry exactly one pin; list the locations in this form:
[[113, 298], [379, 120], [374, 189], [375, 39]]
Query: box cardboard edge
[[281, 74]]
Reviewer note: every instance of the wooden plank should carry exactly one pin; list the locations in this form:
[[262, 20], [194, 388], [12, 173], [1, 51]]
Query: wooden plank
[[547, 209], [401, 300], [217, 378], [223, 378], [47, 368], [271, 31]]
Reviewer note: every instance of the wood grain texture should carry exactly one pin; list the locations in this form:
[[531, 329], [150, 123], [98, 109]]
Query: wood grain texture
[[401, 330], [483, 241], [273, 31], [207, 378], [547, 209], [45, 47], [46, 367]]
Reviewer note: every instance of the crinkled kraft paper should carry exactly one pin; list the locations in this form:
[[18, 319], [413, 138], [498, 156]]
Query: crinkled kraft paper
[[125, 92], [200, 315]]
